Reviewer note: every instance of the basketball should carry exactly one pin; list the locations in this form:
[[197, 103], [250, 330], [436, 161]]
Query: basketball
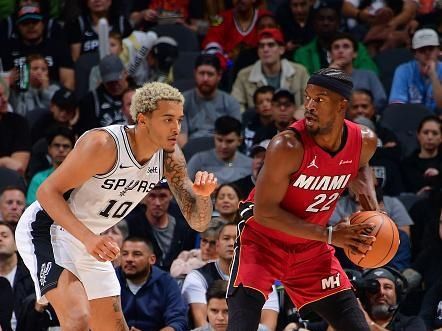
[[386, 244]]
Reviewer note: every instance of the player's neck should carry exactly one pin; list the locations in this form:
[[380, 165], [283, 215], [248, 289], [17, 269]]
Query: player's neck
[[6, 265], [330, 142], [142, 149]]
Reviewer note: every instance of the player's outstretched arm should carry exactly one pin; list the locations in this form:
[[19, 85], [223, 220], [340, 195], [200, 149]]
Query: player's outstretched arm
[[193, 198], [363, 184], [94, 153]]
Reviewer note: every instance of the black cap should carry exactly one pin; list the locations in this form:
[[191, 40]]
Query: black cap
[[380, 273], [283, 93], [65, 99]]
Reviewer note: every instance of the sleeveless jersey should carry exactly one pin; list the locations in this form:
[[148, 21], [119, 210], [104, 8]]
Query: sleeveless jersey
[[315, 188], [103, 200]]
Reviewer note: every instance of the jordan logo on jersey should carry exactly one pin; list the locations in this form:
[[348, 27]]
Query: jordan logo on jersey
[[321, 183], [313, 164], [45, 268]]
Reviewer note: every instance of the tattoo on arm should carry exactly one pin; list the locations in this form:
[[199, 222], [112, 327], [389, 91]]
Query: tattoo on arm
[[196, 209]]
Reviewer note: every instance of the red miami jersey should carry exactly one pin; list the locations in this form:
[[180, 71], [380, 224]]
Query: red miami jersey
[[322, 177]]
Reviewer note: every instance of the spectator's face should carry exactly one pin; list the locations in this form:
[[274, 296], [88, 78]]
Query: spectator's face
[[127, 101], [226, 239], [99, 5], [283, 111], [116, 234], [7, 242], [117, 87], [361, 105], [208, 248], [300, 9], [429, 136], [326, 22], [158, 201], [263, 104], [31, 30], [59, 149], [207, 79], [62, 115], [217, 314], [136, 259], [426, 54], [226, 202], [269, 51], [38, 70], [386, 295], [227, 145], [258, 162], [3, 100], [12, 205], [115, 46], [243, 5], [342, 51]]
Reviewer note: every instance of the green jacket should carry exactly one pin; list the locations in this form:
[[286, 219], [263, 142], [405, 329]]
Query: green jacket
[[308, 56]]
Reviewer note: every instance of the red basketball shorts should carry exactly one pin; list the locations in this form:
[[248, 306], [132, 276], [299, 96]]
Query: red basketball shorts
[[308, 271]]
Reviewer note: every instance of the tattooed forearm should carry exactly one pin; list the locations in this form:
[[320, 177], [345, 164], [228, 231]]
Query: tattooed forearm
[[196, 209]]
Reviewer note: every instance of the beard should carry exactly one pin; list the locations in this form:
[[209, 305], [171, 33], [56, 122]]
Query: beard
[[382, 311], [138, 274]]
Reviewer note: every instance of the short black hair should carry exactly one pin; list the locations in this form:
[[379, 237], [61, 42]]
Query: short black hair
[[61, 131], [208, 59], [9, 226], [363, 91], [344, 35], [233, 186], [11, 188], [227, 124], [140, 239], [217, 290], [262, 90], [430, 118]]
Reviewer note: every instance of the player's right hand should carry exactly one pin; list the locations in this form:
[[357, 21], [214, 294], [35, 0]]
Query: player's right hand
[[102, 247], [355, 237]]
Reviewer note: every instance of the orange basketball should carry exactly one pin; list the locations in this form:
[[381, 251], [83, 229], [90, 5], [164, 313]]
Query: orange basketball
[[386, 244]]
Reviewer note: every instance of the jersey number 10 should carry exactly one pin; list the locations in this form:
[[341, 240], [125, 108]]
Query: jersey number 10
[[117, 212]]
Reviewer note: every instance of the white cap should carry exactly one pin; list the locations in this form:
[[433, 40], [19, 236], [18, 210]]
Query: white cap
[[425, 37]]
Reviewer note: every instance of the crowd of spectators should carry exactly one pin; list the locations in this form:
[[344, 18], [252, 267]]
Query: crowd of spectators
[[69, 66]]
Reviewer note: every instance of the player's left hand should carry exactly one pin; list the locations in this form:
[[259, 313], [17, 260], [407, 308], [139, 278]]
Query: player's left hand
[[205, 183]]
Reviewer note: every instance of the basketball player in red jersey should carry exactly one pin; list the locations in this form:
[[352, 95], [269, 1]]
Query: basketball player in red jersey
[[284, 235]]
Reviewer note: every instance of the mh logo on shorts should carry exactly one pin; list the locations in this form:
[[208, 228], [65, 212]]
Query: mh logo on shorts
[[331, 282], [45, 268]]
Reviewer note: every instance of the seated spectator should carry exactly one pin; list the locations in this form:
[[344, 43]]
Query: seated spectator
[[296, 20], [150, 297], [82, 32], [102, 106], [271, 69], [314, 55], [31, 39], [381, 306], [12, 204], [419, 80], [247, 183], [40, 90], [60, 143], [205, 103], [225, 161], [127, 101], [226, 203], [63, 112], [15, 140], [235, 28], [199, 280], [167, 234], [386, 159], [422, 168], [186, 261], [343, 51], [13, 269], [431, 307], [283, 115], [256, 119]]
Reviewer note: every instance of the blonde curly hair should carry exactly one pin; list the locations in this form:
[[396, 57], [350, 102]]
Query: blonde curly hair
[[145, 99]]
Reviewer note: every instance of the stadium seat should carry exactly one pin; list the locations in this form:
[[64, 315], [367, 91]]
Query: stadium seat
[[83, 67], [9, 177], [33, 116], [184, 65], [184, 84], [403, 120], [187, 39], [196, 145]]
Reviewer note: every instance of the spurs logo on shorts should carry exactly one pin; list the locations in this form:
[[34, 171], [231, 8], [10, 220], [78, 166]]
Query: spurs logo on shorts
[[331, 282], [45, 268]]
